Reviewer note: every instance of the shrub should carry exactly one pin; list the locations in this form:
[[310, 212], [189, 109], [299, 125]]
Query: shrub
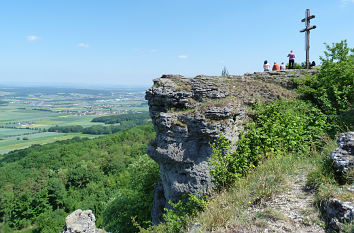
[[332, 88], [302, 65], [178, 215], [135, 200], [278, 128]]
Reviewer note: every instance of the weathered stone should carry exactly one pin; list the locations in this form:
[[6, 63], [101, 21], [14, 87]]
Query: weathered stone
[[338, 212], [188, 114], [81, 221], [219, 113], [343, 155]]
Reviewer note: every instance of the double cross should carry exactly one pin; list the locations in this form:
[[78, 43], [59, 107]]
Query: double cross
[[307, 19]]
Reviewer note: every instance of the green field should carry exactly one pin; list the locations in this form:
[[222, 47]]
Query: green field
[[12, 143], [4, 132], [29, 112]]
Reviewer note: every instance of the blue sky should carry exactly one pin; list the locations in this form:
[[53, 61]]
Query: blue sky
[[128, 43]]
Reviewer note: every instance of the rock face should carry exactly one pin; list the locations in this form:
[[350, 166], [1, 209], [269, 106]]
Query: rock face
[[81, 221], [337, 211], [343, 155], [189, 113]]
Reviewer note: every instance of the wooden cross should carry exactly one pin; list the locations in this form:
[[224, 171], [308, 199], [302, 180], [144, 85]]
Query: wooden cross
[[307, 30]]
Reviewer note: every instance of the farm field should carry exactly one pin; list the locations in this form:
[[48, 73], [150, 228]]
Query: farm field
[[16, 143], [27, 113]]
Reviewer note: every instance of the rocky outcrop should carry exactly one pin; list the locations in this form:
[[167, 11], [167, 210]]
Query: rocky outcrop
[[189, 113], [336, 211], [81, 221], [343, 155]]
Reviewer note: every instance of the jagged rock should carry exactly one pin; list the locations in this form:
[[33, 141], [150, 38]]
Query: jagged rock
[[81, 221], [189, 113], [343, 155], [339, 212]]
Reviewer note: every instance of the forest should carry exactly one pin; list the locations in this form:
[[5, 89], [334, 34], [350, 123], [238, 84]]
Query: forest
[[41, 185], [114, 119], [121, 122]]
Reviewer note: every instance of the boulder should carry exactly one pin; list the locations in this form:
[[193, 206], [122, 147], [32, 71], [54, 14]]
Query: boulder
[[338, 212], [343, 155], [81, 221]]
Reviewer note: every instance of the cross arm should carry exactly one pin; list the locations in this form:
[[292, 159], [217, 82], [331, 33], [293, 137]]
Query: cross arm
[[308, 18], [308, 29]]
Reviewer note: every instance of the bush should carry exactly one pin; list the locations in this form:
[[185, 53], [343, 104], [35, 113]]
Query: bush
[[302, 65], [135, 199], [51, 221], [177, 217], [332, 89], [278, 128]]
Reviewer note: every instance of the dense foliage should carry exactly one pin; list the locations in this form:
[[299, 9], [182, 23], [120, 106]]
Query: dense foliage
[[332, 89], [135, 199], [41, 185], [114, 119], [123, 121], [66, 129], [278, 128], [177, 217]]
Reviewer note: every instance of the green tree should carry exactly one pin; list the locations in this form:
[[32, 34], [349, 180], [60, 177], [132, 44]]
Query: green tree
[[338, 52]]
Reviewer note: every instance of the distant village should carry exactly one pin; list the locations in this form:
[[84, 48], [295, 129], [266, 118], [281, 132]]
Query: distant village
[[105, 106]]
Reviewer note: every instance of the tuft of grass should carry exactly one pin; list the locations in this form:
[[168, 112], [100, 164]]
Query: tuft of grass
[[271, 214], [347, 228]]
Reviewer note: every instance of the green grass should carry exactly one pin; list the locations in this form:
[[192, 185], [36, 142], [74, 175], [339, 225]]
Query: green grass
[[229, 207], [12, 143], [5, 132]]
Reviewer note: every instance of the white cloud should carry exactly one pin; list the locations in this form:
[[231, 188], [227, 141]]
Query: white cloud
[[32, 38], [83, 45], [182, 56], [154, 50], [344, 3]]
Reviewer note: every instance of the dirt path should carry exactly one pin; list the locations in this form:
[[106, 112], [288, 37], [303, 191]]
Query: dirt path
[[291, 211]]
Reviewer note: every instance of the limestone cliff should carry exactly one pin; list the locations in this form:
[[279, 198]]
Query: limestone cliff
[[189, 113]]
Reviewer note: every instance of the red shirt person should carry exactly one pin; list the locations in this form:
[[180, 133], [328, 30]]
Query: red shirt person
[[276, 66]]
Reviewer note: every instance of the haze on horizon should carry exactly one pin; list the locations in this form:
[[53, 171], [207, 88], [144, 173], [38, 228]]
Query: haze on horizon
[[120, 43]]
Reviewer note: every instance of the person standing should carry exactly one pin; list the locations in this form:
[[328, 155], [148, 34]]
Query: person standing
[[291, 56], [276, 66], [266, 66]]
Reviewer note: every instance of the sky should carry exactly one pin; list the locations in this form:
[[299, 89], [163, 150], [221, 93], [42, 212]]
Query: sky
[[113, 43]]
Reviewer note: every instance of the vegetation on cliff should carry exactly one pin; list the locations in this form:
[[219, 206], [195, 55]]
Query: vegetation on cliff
[[284, 135]]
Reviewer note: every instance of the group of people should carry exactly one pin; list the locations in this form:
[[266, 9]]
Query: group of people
[[276, 66], [282, 66]]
